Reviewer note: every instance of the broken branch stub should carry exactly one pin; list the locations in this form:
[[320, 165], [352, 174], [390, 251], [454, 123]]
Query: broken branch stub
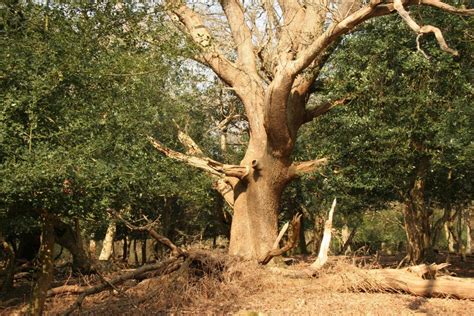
[[324, 248]]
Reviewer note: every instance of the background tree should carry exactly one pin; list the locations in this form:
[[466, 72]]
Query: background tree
[[405, 136]]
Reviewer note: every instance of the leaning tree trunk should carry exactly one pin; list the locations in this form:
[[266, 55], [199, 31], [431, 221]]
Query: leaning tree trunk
[[108, 244], [45, 273], [72, 241], [417, 218]]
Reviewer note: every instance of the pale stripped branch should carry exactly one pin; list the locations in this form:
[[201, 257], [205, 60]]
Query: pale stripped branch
[[324, 248], [206, 164]]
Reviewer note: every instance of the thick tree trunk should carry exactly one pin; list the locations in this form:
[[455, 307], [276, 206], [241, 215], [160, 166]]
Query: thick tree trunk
[[108, 244], [72, 241], [45, 273], [417, 218], [255, 222]]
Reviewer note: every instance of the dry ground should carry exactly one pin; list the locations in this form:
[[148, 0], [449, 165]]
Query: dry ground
[[248, 289]]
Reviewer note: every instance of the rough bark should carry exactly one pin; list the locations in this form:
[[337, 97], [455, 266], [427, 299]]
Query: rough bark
[[108, 244], [45, 273], [408, 282], [254, 225]]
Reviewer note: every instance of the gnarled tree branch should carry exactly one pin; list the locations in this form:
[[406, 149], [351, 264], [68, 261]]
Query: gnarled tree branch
[[423, 29], [210, 53], [293, 236]]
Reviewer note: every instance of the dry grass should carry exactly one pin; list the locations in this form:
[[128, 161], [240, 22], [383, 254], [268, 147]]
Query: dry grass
[[214, 283]]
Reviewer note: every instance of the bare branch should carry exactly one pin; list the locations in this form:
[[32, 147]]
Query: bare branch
[[423, 29], [373, 9], [306, 57], [175, 250], [207, 164], [446, 7], [313, 112]]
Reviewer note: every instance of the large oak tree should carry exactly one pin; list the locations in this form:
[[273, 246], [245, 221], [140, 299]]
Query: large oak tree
[[277, 51]]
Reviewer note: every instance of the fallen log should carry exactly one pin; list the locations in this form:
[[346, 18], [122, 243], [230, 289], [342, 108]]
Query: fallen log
[[393, 280]]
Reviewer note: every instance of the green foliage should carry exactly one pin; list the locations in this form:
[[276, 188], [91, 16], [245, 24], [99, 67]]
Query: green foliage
[[82, 87], [403, 107]]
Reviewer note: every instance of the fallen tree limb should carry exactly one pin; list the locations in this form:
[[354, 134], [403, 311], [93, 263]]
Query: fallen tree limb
[[407, 282], [166, 267]]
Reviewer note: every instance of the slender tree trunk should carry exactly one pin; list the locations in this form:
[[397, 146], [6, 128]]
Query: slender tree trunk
[[318, 232], [469, 231], [125, 249], [302, 239], [45, 273], [347, 237], [10, 265], [144, 259], [135, 252], [417, 217], [108, 244], [255, 222]]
